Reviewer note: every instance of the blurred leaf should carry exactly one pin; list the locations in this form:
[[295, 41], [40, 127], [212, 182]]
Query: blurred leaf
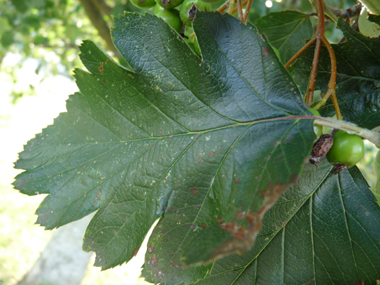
[[7, 38], [358, 78], [287, 31], [21, 5]]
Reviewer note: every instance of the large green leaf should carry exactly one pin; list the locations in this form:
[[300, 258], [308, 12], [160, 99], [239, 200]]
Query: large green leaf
[[287, 31], [358, 78], [179, 137], [324, 230]]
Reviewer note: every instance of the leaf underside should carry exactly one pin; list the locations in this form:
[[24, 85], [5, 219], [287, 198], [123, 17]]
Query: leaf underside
[[191, 141], [358, 77]]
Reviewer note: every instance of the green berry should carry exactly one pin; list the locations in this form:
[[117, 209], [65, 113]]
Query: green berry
[[190, 7], [347, 149], [171, 17]]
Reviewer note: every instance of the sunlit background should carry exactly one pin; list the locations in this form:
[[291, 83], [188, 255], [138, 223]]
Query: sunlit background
[[21, 241]]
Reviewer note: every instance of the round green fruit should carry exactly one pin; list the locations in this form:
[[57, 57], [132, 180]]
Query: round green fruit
[[169, 4], [189, 9], [347, 149], [143, 4], [317, 129], [377, 165], [171, 17]]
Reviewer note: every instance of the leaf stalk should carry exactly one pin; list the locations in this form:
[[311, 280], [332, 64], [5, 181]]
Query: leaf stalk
[[320, 38]]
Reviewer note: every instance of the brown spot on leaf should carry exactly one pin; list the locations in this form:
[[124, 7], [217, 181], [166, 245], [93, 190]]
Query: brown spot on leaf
[[160, 132], [237, 180], [265, 52], [244, 237], [100, 68], [105, 81], [175, 264], [193, 191], [151, 249], [154, 260], [165, 240], [135, 251], [239, 215], [212, 153], [339, 168], [204, 225]]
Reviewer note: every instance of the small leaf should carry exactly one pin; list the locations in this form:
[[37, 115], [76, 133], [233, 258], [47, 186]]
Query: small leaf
[[358, 77], [287, 31]]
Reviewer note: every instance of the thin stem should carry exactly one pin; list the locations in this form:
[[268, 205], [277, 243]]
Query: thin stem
[[350, 128], [231, 7], [321, 19], [240, 10], [242, 5], [332, 83], [320, 38], [313, 75], [249, 4], [309, 43], [223, 7]]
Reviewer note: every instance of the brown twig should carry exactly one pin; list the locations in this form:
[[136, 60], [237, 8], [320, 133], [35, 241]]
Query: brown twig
[[249, 4], [332, 83], [313, 74], [224, 7], [242, 5], [320, 38], [240, 10], [230, 5], [309, 43]]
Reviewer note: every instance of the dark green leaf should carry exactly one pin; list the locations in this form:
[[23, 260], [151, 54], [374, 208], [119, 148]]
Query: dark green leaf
[[287, 31], [7, 38], [198, 206], [325, 230], [358, 78], [178, 137]]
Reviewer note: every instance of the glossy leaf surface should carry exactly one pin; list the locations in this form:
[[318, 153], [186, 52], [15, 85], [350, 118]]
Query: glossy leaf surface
[[178, 138]]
